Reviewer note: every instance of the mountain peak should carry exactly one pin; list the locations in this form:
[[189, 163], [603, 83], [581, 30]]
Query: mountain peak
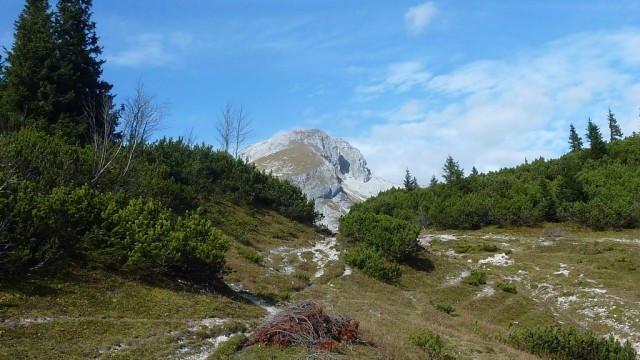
[[329, 170]]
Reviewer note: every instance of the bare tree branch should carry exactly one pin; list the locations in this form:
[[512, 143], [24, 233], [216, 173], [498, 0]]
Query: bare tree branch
[[142, 116], [224, 126], [242, 129], [233, 128], [102, 122]]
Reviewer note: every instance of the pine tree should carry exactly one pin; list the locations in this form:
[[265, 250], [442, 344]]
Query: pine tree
[[575, 142], [596, 143], [433, 181], [614, 128], [452, 172], [29, 94], [410, 182], [474, 171], [81, 68], [3, 116]]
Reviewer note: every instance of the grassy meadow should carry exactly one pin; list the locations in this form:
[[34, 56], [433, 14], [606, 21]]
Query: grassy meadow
[[468, 288]]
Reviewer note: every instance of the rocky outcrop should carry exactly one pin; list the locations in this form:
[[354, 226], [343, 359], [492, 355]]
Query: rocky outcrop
[[329, 170]]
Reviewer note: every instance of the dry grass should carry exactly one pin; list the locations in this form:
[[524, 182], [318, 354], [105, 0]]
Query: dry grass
[[562, 274], [601, 261], [91, 314]]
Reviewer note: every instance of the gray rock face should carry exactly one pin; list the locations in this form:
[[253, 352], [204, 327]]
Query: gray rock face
[[329, 170]]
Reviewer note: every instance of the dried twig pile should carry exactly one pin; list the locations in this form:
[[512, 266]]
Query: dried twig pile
[[305, 323]]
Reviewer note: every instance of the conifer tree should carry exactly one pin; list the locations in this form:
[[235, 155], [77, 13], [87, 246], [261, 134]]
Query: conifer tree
[[452, 172], [81, 68], [614, 128], [410, 183], [3, 121], [433, 181], [575, 142], [596, 143], [29, 93]]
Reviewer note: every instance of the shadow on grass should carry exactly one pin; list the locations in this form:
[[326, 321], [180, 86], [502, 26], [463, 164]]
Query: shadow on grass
[[32, 287], [420, 263]]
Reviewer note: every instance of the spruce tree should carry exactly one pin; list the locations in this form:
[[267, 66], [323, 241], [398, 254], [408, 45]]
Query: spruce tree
[[597, 145], [81, 68], [575, 142], [410, 183], [614, 128], [452, 172], [414, 183], [29, 93]]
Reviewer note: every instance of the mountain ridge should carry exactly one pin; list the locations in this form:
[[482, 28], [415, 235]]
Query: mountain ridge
[[329, 170]]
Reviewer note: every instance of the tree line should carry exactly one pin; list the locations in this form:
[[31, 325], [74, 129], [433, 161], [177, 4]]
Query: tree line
[[596, 186], [80, 181]]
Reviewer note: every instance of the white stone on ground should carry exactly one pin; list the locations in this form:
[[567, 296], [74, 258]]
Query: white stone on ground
[[497, 259]]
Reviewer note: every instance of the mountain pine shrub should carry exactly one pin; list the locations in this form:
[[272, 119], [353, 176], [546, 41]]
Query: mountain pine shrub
[[373, 264], [557, 342]]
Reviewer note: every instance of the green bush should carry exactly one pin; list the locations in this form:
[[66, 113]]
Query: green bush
[[46, 161], [462, 248], [446, 308], [488, 248], [557, 342], [507, 287], [41, 229], [373, 264], [394, 239], [432, 344], [477, 277], [142, 238], [380, 241]]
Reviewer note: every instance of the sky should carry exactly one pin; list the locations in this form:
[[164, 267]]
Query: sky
[[490, 82]]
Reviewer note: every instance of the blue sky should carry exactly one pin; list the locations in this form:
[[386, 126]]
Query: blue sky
[[408, 82]]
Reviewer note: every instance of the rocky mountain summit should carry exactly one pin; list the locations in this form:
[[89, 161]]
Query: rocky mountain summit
[[329, 170]]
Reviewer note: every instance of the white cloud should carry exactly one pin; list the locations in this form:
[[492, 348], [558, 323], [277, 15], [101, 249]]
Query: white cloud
[[152, 49], [398, 77], [410, 110], [495, 113], [418, 17]]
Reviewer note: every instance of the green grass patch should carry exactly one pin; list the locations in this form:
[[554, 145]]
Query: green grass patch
[[477, 277], [88, 314], [488, 248], [446, 308], [228, 348], [250, 255], [462, 248], [507, 287], [431, 343]]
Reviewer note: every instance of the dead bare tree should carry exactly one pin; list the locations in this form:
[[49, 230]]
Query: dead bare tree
[[141, 117], [224, 126], [102, 122], [233, 128], [242, 130]]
